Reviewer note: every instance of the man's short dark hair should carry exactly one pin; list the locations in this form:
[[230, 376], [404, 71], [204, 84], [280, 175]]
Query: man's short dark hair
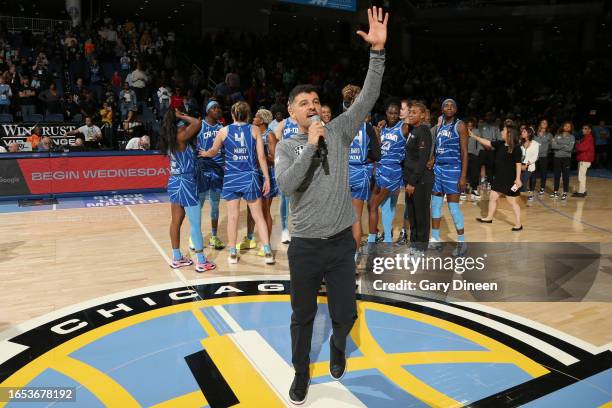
[[393, 102], [298, 89]]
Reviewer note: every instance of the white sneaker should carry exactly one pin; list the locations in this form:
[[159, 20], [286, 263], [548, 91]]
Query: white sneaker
[[232, 258], [285, 237], [269, 258]]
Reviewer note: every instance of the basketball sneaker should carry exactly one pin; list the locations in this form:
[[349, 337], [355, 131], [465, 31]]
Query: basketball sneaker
[[246, 244], [269, 258], [232, 258], [216, 243], [285, 237], [205, 266], [435, 244], [402, 239], [179, 263]]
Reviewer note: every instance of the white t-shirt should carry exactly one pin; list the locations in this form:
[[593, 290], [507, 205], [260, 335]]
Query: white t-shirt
[[133, 144], [530, 155], [91, 133]]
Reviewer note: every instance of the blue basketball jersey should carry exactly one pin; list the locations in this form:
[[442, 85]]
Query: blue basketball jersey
[[205, 140], [240, 149], [359, 147], [182, 163], [291, 129], [393, 145], [448, 147], [264, 137]]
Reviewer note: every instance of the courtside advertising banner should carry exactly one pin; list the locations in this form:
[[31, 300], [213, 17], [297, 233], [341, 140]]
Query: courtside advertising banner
[[66, 174], [19, 132]]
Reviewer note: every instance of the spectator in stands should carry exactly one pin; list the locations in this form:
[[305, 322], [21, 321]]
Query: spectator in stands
[[35, 138], [13, 147], [139, 82], [139, 143], [2, 149], [51, 99], [27, 98], [71, 105], [585, 155], [88, 105], [176, 100], [45, 145], [106, 114], [124, 64], [91, 132], [5, 95], [116, 81], [190, 104], [127, 101], [79, 87], [89, 48], [163, 96], [78, 146], [96, 76]]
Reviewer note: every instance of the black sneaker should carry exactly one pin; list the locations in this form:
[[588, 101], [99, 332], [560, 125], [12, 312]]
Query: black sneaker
[[564, 196], [541, 192], [299, 388], [337, 361]]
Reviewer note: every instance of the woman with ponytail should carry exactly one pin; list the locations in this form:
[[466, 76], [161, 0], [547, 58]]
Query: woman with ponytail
[[177, 132]]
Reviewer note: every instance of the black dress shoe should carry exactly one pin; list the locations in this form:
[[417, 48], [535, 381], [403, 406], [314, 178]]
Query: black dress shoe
[[484, 221], [299, 388], [517, 229], [337, 361]]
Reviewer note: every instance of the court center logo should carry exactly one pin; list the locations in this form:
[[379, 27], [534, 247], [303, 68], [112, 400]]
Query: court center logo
[[228, 343]]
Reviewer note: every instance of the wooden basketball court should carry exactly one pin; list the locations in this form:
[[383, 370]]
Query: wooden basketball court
[[53, 259]]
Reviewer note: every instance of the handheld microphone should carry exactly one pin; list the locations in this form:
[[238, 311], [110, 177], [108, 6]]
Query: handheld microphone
[[322, 146]]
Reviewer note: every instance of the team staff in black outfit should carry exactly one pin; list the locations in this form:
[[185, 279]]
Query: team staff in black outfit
[[418, 178]]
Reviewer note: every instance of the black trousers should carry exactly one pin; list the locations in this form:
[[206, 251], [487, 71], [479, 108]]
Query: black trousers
[[473, 171], [487, 157], [419, 215], [310, 260], [541, 171], [561, 166]]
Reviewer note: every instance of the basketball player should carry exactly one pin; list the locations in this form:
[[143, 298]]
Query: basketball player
[[326, 114], [210, 170], [450, 169], [388, 171], [285, 130], [262, 119], [365, 151], [403, 236], [243, 147], [183, 187]]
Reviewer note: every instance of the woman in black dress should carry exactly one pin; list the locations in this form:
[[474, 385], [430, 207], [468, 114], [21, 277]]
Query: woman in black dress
[[507, 172]]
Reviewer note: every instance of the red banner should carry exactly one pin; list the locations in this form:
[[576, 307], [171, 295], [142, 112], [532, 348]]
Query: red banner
[[106, 173]]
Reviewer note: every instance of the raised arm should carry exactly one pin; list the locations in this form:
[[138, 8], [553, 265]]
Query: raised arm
[[348, 123], [485, 142], [192, 128]]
